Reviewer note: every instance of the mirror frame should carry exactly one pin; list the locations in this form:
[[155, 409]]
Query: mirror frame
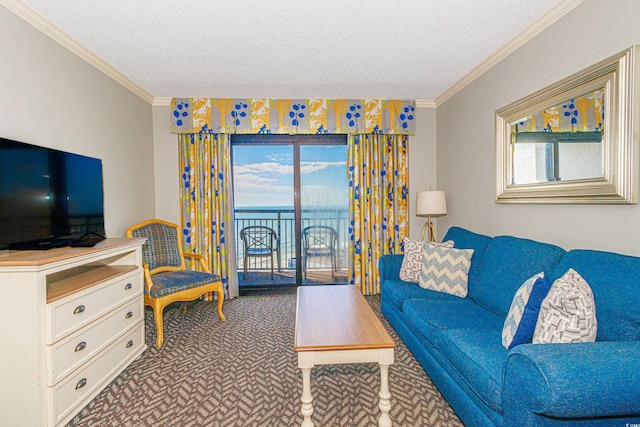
[[619, 76]]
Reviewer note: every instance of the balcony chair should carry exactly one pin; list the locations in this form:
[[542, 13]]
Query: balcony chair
[[166, 278], [320, 241], [259, 242]]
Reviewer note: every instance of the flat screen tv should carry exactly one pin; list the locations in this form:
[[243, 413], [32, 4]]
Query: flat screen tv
[[48, 198]]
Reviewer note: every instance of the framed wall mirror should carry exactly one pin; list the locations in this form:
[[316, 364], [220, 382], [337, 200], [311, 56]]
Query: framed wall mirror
[[575, 141]]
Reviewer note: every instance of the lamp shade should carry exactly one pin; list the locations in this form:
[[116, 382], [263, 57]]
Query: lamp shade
[[431, 202]]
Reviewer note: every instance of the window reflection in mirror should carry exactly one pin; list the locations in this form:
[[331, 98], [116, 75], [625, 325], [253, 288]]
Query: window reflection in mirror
[[561, 143]]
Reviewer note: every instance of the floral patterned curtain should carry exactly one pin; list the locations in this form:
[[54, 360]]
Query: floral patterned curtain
[[379, 195], [205, 165], [377, 164]]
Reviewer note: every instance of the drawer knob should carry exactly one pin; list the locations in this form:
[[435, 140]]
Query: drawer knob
[[128, 286], [130, 343], [79, 309], [129, 315], [81, 383], [81, 346]]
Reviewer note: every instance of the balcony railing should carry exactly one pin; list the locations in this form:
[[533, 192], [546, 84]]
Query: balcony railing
[[283, 222]]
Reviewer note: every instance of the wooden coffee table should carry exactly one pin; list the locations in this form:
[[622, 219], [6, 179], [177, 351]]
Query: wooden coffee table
[[335, 325]]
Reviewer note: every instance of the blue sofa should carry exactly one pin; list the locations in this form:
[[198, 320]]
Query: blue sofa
[[458, 340]]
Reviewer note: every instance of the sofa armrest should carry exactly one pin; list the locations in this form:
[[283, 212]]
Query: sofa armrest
[[598, 379], [389, 266]]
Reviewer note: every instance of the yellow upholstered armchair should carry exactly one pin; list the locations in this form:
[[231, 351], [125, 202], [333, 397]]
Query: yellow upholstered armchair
[[166, 278]]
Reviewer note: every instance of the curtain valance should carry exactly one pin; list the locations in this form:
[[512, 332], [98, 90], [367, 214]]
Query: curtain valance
[[292, 116], [582, 114]]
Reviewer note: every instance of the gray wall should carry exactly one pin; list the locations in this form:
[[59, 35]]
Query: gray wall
[[593, 31], [50, 97], [167, 160], [422, 165]]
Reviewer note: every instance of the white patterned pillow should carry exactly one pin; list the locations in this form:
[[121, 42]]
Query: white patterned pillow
[[445, 269], [568, 313], [523, 314], [412, 261]]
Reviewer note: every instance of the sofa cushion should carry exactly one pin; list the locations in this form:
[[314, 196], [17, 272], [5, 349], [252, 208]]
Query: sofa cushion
[[396, 292], [429, 318], [445, 270], [478, 356], [568, 313], [613, 278], [169, 283], [523, 313], [465, 239], [412, 260], [508, 262]]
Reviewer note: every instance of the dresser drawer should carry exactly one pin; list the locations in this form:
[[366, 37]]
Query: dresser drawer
[[74, 392], [66, 355], [69, 314]]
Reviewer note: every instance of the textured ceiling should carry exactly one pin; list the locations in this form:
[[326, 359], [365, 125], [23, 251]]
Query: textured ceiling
[[293, 49]]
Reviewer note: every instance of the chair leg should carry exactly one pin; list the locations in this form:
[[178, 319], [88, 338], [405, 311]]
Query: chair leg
[[279, 269], [220, 293], [333, 265], [157, 315], [271, 265], [304, 264], [244, 275]]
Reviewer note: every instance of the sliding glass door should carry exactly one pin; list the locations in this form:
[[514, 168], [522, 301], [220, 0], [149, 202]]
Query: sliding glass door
[[264, 214], [324, 213], [291, 209]]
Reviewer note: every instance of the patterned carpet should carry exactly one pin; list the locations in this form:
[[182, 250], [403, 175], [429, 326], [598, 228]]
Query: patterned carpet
[[244, 373]]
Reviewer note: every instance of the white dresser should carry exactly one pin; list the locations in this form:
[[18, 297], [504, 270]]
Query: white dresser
[[71, 320]]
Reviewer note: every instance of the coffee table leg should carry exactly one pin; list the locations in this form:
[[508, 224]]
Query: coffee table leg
[[307, 406], [385, 397]]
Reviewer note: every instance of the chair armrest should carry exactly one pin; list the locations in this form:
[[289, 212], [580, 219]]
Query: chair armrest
[[389, 266], [148, 283], [578, 380], [200, 259]]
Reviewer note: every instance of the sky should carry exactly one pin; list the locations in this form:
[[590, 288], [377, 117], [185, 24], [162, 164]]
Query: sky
[[263, 175]]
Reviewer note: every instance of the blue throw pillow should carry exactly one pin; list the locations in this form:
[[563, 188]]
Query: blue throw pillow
[[523, 313]]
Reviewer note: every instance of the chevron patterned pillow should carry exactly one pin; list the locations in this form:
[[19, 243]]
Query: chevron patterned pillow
[[568, 313], [523, 313], [412, 261], [445, 270]]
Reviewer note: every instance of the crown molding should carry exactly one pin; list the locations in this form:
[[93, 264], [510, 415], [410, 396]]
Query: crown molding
[[55, 33], [162, 101], [425, 103], [420, 103], [547, 19]]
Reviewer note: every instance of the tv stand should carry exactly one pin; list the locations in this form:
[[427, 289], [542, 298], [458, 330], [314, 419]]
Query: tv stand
[[73, 321]]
